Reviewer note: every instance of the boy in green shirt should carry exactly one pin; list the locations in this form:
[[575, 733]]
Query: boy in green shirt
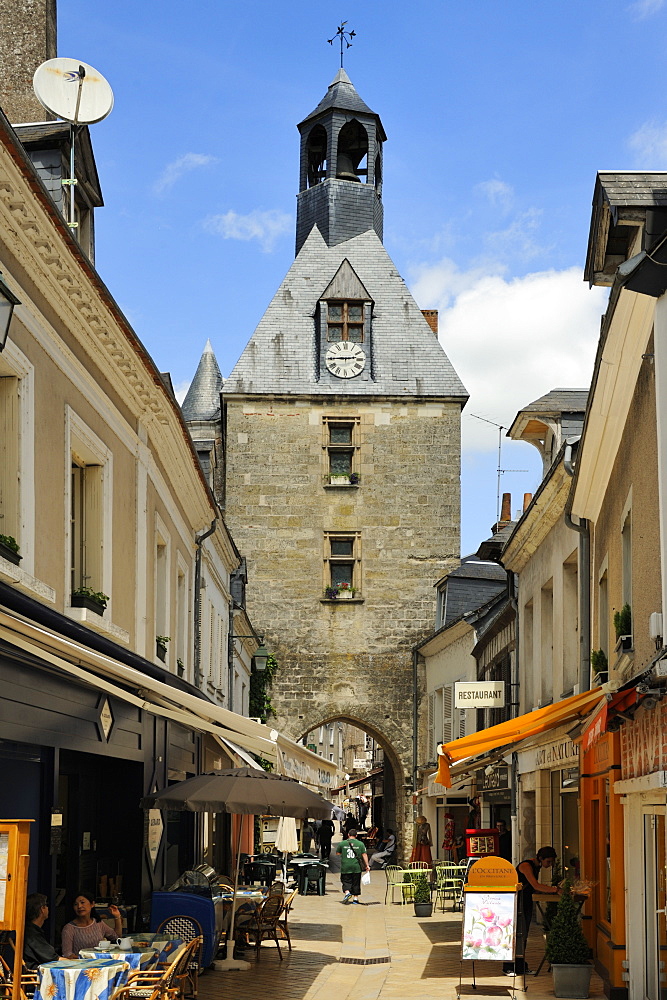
[[352, 855]]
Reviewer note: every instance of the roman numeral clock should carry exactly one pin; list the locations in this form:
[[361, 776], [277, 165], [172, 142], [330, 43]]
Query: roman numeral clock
[[345, 359]]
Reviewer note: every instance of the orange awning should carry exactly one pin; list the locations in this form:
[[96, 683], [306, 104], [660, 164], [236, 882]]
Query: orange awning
[[513, 731]]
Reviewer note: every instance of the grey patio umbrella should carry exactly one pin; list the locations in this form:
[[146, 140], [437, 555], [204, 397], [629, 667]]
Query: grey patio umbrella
[[242, 791]]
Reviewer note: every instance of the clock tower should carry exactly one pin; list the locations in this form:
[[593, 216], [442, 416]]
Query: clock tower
[[341, 423]]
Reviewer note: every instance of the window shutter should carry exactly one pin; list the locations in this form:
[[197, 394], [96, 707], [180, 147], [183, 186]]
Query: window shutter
[[92, 529], [462, 723], [447, 703], [9, 457], [431, 748]]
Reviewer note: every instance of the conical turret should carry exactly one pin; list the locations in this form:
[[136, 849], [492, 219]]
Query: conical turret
[[202, 401]]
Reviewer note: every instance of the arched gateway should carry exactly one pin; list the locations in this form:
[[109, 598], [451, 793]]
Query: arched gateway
[[341, 431]]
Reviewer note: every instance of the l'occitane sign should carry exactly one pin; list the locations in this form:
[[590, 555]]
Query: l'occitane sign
[[492, 873]]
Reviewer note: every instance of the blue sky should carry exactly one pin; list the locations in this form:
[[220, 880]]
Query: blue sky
[[498, 115]]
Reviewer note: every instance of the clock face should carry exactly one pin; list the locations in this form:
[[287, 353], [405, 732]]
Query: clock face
[[345, 360]]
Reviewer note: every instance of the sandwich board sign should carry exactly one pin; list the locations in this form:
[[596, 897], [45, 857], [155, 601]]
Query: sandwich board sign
[[490, 911]]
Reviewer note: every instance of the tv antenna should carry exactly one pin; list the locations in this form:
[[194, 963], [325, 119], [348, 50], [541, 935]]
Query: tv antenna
[[77, 93], [499, 470]]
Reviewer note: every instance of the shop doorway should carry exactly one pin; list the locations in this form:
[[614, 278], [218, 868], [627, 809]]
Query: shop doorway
[[655, 898]]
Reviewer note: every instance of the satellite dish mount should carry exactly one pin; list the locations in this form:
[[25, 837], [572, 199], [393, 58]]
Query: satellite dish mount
[[77, 93]]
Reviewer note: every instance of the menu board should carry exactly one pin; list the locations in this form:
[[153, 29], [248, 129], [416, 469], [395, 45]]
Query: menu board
[[489, 926], [4, 858]]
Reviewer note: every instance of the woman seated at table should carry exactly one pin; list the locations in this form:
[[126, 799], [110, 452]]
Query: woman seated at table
[[87, 930]]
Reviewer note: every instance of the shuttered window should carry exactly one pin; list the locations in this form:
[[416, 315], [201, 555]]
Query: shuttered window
[[9, 458], [86, 526]]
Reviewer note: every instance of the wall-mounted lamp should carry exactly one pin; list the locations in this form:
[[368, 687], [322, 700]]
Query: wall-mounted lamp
[[7, 302], [260, 656]]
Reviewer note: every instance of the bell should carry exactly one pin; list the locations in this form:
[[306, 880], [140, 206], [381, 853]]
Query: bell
[[345, 169]]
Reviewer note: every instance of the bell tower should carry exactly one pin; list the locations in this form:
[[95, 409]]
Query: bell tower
[[340, 180]]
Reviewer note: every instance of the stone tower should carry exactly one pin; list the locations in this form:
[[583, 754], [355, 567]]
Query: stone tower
[[27, 39], [341, 423]]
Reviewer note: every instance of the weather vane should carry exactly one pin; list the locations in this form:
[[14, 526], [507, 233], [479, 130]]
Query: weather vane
[[344, 36]]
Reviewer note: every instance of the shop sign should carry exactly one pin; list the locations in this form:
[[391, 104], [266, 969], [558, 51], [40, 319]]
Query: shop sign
[[360, 764], [560, 752], [479, 694], [155, 828], [307, 773], [497, 779]]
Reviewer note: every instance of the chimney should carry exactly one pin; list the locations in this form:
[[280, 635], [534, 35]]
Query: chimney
[[430, 315], [506, 509], [527, 500], [27, 39]]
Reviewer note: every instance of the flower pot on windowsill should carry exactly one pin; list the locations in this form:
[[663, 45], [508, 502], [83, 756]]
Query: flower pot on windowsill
[[624, 644], [10, 554], [339, 481], [89, 603], [161, 650]]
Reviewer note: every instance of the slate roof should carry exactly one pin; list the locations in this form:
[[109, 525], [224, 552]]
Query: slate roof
[[341, 95], [559, 401], [281, 356], [626, 187], [202, 401]]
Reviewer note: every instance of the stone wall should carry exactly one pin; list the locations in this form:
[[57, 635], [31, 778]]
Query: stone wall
[[343, 659], [27, 39]]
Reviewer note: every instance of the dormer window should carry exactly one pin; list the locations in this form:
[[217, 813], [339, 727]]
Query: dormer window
[[345, 321]]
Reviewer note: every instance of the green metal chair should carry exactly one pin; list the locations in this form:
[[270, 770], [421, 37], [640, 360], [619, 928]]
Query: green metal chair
[[394, 876]]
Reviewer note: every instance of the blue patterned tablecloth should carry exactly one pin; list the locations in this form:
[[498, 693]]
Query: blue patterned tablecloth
[[146, 959], [80, 979], [164, 944]]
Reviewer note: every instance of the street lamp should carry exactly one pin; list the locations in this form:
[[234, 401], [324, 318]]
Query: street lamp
[[260, 656], [7, 302]]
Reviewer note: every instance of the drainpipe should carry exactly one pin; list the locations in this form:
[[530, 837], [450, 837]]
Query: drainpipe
[[197, 647], [583, 530], [415, 725]]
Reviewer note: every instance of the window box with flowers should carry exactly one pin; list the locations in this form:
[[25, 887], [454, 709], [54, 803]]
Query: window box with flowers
[[91, 600], [340, 592], [9, 549]]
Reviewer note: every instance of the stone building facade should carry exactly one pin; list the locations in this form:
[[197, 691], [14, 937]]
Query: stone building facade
[[341, 425]]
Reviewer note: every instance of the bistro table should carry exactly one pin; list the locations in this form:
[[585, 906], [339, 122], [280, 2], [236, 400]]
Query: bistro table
[[248, 900], [164, 944], [80, 979], [137, 959]]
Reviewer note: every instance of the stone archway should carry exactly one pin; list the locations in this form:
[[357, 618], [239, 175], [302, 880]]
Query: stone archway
[[397, 754]]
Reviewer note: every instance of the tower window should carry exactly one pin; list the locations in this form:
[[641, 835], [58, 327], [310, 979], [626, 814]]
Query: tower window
[[345, 321], [351, 164], [342, 563], [317, 156], [341, 447]]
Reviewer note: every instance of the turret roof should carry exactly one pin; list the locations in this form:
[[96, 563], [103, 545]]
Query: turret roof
[[202, 401], [342, 96]]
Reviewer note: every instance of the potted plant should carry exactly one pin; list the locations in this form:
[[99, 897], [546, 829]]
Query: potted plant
[[599, 664], [422, 897], [161, 646], [9, 549], [567, 949], [91, 600], [623, 628], [339, 479], [340, 590], [354, 479], [180, 667]]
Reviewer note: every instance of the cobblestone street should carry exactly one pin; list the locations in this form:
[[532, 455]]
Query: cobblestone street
[[367, 952]]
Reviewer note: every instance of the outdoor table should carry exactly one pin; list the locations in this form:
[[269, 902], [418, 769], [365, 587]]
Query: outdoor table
[[247, 902], [80, 979], [137, 959], [164, 944], [551, 897]]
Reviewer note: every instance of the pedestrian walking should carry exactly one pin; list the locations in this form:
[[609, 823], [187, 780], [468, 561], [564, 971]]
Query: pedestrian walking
[[353, 860], [326, 833]]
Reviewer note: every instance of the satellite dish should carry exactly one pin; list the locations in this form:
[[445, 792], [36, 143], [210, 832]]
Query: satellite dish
[[72, 90]]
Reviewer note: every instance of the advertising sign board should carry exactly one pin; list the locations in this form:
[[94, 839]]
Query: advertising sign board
[[479, 694]]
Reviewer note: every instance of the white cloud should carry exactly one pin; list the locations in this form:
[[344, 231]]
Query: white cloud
[[645, 8], [264, 226], [511, 340], [181, 390], [177, 168], [500, 194], [650, 145]]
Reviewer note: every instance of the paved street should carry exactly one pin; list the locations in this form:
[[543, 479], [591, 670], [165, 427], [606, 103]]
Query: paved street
[[367, 952]]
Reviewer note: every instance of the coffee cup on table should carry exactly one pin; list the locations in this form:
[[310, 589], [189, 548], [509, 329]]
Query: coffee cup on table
[[124, 943]]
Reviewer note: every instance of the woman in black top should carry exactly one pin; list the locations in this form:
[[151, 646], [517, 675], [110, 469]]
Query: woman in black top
[[529, 872]]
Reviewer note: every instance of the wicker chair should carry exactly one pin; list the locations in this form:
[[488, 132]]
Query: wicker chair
[[29, 981], [165, 984], [187, 929], [264, 925], [282, 919]]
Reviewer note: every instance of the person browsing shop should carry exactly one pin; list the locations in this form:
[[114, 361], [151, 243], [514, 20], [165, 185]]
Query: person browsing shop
[[529, 876]]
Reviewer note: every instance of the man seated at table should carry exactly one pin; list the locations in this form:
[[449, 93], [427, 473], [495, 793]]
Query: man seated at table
[[36, 949], [387, 848]]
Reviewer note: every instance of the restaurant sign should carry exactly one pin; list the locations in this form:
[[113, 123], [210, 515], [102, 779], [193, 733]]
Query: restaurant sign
[[479, 694]]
